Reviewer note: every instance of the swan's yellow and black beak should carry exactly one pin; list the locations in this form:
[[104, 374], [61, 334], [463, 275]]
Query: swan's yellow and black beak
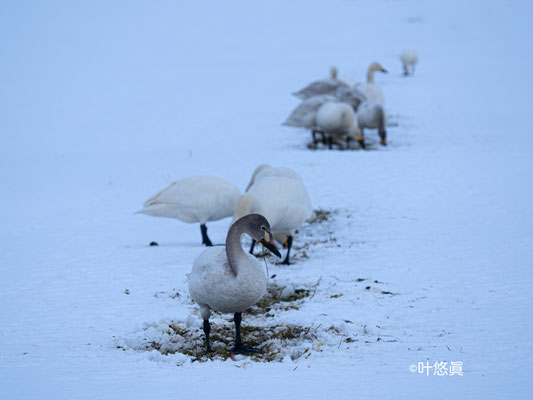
[[384, 70], [269, 244]]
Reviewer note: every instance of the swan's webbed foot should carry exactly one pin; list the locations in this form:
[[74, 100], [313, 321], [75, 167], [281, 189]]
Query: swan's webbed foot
[[242, 349], [289, 245], [205, 238]]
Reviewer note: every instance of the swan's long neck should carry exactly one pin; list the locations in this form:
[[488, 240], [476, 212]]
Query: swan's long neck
[[370, 74], [234, 251]]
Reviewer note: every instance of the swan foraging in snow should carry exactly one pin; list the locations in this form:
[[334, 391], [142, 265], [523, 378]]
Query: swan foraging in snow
[[229, 280], [304, 115], [372, 91], [280, 195], [371, 115], [336, 120], [196, 199], [409, 60]]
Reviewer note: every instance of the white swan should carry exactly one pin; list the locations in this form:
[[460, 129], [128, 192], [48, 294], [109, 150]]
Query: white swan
[[196, 199], [229, 280], [372, 91], [409, 60], [336, 120], [280, 195], [371, 115]]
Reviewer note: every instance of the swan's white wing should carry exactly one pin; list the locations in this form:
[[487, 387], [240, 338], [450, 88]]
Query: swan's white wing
[[304, 115]]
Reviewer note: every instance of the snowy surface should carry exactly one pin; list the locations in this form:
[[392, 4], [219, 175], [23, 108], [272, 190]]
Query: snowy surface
[[105, 103]]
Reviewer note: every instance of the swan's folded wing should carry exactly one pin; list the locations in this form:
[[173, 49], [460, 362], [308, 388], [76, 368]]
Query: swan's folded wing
[[326, 86], [304, 115]]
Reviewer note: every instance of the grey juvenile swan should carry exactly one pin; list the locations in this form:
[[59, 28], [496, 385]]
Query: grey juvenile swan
[[228, 279]]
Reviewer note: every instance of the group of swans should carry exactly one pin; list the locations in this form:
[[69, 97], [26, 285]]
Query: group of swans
[[227, 279], [275, 203], [336, 110]]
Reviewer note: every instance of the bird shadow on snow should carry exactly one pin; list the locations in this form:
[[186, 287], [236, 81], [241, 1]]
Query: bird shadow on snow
[[182, 341]]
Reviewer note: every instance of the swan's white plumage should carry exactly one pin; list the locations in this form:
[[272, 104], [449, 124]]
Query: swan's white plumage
[[214, 287], [278, 194], [337, 119], [371, 115], [264, 170], [195, 199]]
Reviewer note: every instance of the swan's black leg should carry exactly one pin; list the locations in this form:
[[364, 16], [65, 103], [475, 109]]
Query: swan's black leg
[[323, 136], [330, 142], [361, 140], [348, 141], [239, 347], [207, 330], [289, 245], [205, 238], [315, 140], [252, 248]]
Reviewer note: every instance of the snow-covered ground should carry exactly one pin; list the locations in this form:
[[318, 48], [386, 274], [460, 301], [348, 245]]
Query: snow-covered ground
[[426, 255]]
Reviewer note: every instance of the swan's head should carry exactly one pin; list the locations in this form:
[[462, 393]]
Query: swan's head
[[375, 66], [258, 228]]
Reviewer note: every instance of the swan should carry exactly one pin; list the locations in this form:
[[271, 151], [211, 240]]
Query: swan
[[372, 91], [324, 86], [371, 115], [196, 199], [337, 121], [280, 195], [409, 60], [229, 280]]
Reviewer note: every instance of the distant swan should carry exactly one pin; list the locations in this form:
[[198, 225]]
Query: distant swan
[[336, 120], [197, 199], [409, 60], [229, 280]]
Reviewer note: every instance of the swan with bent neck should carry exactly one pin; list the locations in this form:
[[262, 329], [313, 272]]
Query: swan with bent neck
[[228, 279]]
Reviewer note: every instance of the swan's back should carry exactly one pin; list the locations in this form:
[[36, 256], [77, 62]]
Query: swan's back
[[371, 115], [285, 201], [335, 118], [194, 199], [305, 113], [325, 86]]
